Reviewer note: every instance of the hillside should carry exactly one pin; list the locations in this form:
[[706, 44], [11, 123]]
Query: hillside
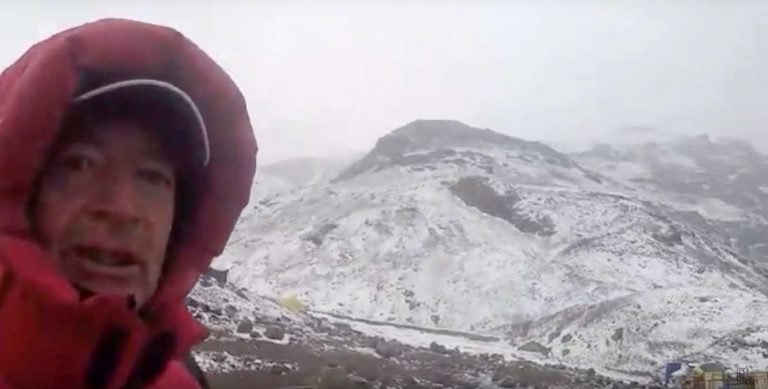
[[566, 257]]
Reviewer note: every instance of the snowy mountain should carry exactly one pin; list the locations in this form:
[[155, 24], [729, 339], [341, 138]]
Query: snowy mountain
[[307, 171], [590, 260], [276, 179], [718, 185]]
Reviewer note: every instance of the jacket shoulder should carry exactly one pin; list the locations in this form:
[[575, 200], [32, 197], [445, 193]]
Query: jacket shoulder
[[176, 376]]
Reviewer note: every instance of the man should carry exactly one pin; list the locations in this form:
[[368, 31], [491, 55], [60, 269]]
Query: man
[[126, 156]]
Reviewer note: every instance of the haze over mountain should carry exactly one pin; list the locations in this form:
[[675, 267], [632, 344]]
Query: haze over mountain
[[620, 258]]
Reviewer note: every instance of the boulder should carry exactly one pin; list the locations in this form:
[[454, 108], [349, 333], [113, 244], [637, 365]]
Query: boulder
[[438, 348], [274, 332], [245, 327]]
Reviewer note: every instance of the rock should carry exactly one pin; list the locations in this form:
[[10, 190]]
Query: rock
[[359, 382], [388, 349], [192, 303], [553, 336], [496, 358], [566, 351], [342, 329], [671, 238], [255, 335], [343, 326], [411, 383], [507, 382], [712, 366], [323, 329], [318, 235], [230, 310], [475, 191], [590, 372], [618, 334], [438, 348], [242, 293], [245, 327], [566, 338], [535, 347], [279, 369], [274, 332], [219, 275], [369, 342]]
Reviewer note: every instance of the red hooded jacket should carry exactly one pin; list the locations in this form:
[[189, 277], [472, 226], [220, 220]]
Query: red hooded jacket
[[48, 336]]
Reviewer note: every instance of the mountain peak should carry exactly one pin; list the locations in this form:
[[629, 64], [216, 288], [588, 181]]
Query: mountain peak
[[439, 138], [436, 133], [433, 127]]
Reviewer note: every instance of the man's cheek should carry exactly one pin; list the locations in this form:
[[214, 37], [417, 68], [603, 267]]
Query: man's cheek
[[62, 185], [49, 225], [75, 230]]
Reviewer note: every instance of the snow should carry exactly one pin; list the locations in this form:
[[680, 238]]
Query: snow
[[713, 209], [685, 325], [396, 245], [635, 176], [223, 362], [630, 173], [421, 338], [667, 157]]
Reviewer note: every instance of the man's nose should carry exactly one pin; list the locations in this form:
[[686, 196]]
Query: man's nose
[[115, 199]]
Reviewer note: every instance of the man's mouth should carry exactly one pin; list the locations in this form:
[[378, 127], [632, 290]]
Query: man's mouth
[[107, 262]]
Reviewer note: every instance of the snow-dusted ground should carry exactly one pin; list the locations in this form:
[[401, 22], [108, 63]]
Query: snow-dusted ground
[[223, 362], [391, 241], [423, 337]]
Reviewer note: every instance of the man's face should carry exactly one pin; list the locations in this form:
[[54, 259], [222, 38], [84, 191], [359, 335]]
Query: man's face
[[105, 209]]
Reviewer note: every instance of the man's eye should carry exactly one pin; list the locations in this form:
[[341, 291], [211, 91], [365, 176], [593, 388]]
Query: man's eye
[[156, 178], [78, 162]]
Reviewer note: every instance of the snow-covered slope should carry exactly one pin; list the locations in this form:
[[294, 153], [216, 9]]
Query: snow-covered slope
[[720, 185], [448, 226], [257, 341], [308, 171], [286, 177]]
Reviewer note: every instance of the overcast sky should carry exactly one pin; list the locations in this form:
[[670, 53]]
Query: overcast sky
[[332, 77]]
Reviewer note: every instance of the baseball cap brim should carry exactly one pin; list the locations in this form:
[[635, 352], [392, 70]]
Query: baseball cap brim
[[185, 102]]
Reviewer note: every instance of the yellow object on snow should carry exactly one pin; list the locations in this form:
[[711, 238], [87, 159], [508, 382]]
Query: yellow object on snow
[[293, 304]]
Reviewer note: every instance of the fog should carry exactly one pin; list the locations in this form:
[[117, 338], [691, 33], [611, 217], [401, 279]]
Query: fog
[[329, 78]]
